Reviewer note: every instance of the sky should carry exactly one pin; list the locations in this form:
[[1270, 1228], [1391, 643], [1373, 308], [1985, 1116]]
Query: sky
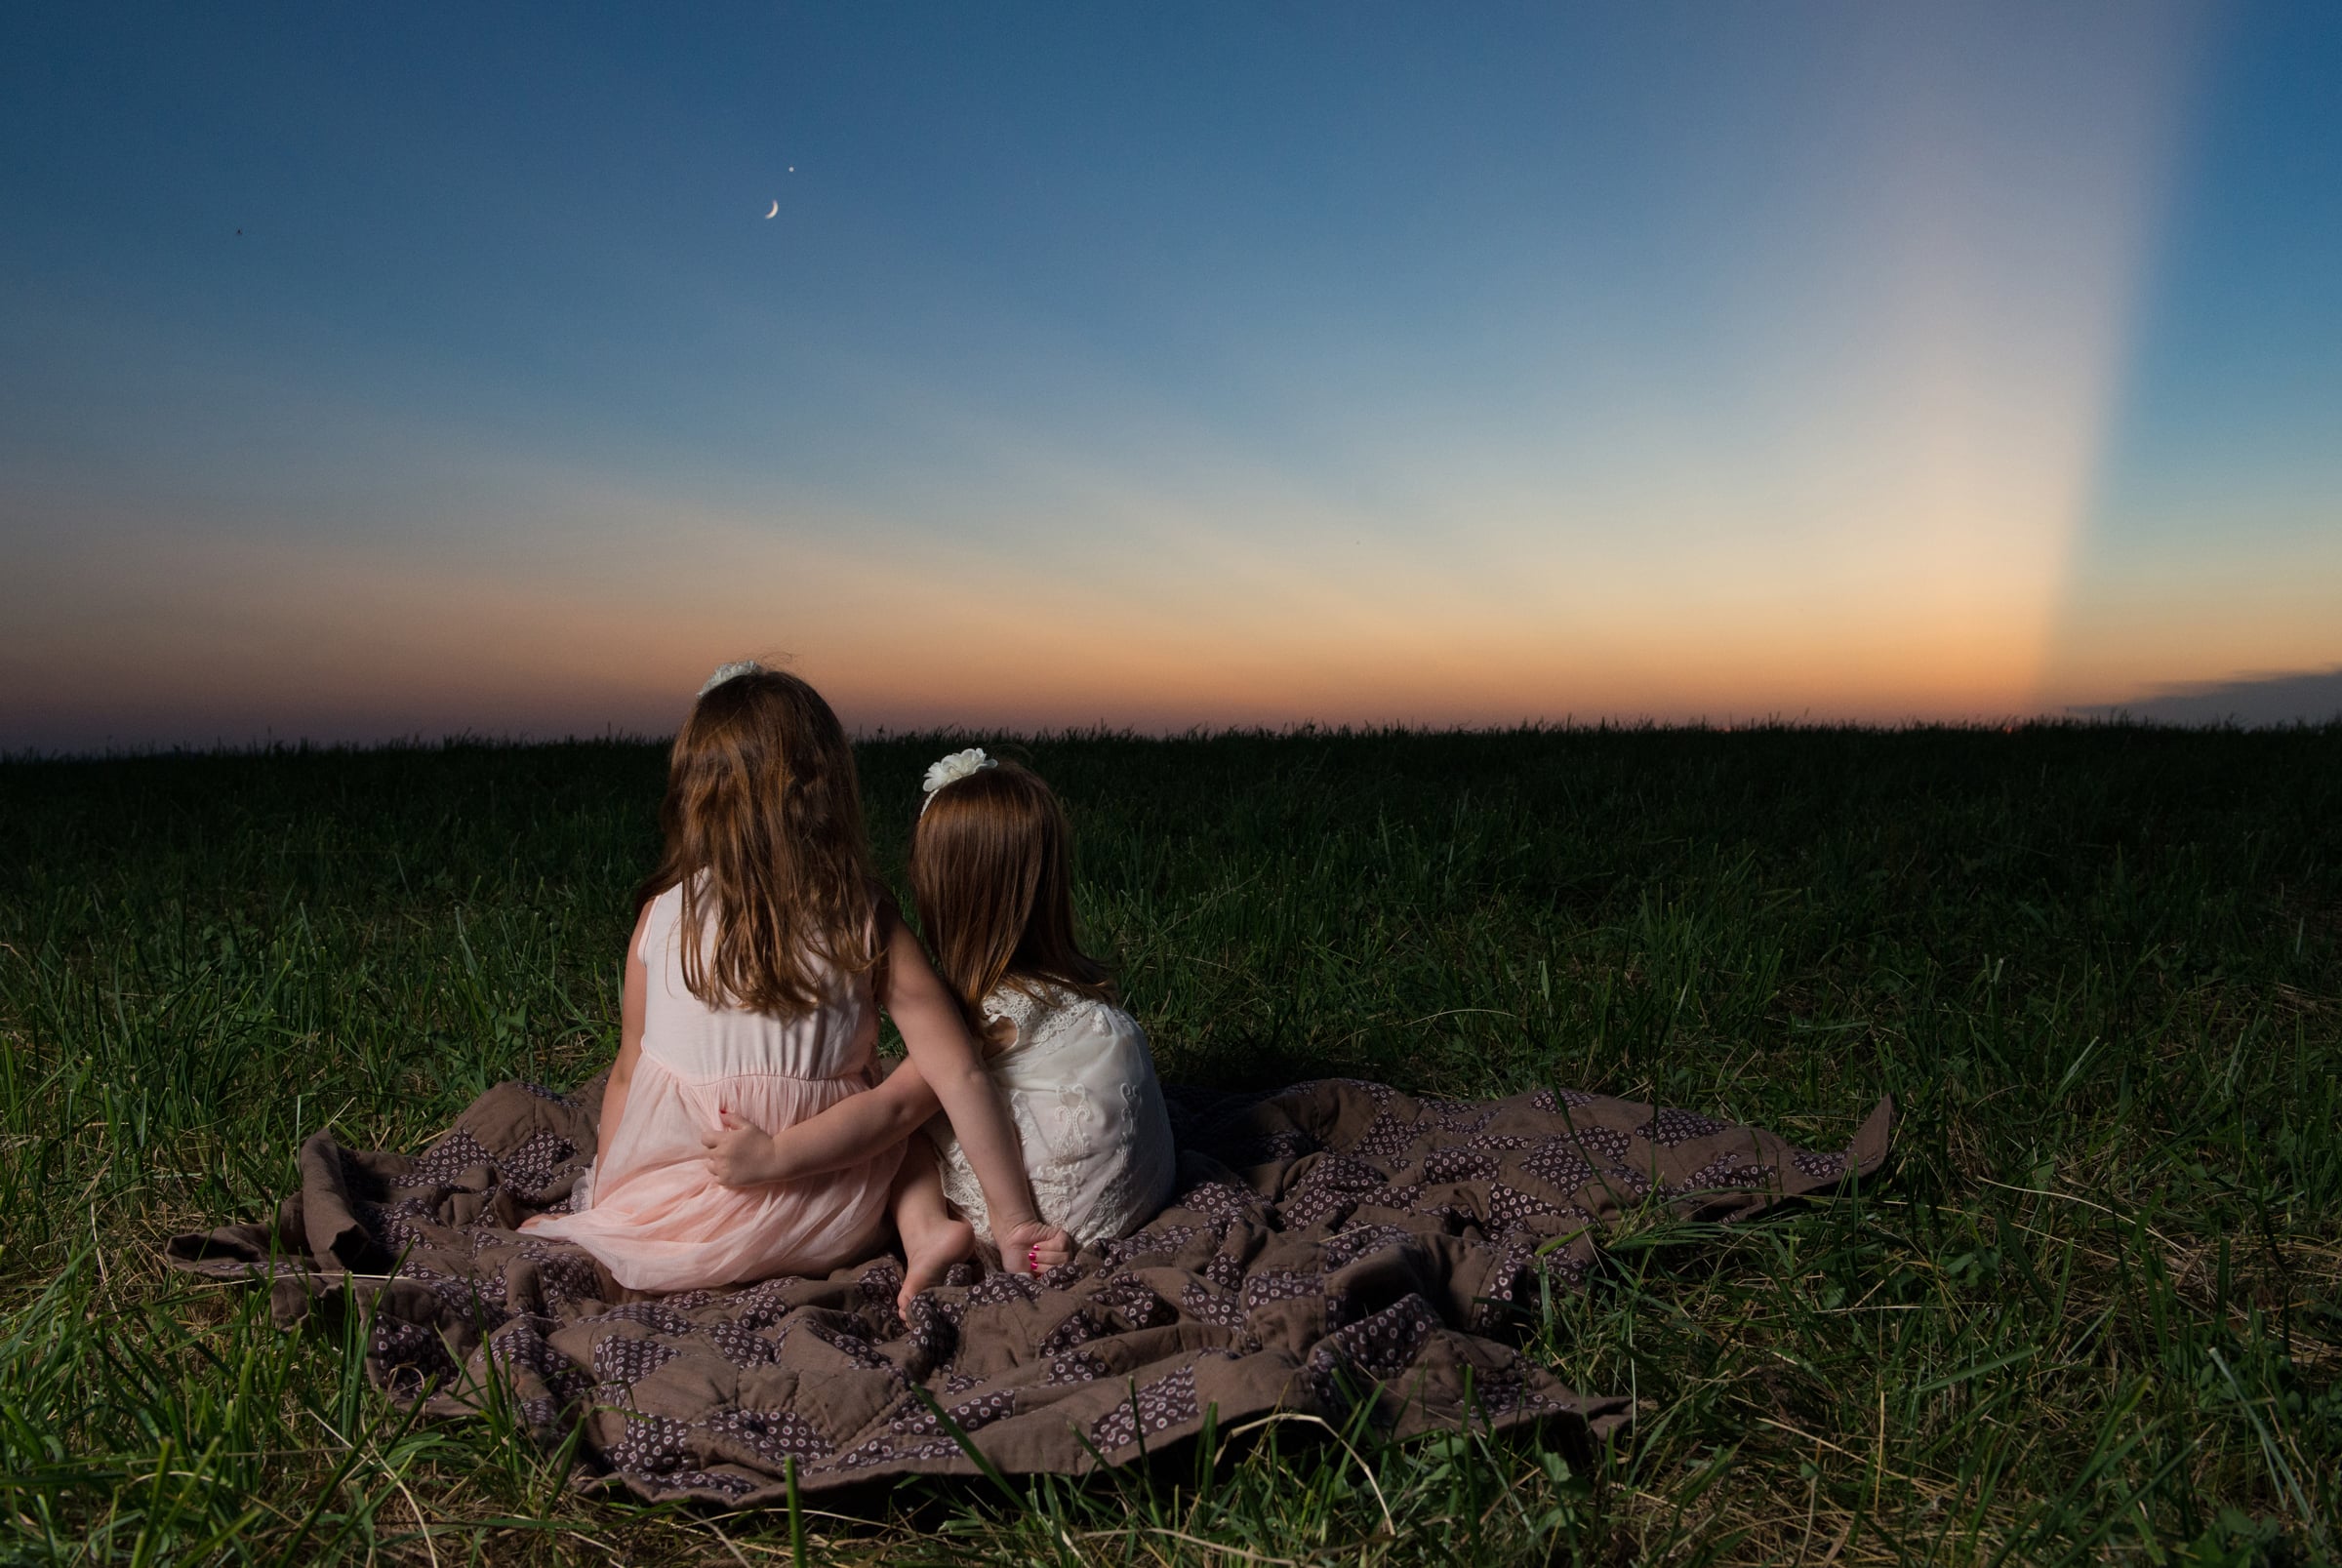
[[405, 372]]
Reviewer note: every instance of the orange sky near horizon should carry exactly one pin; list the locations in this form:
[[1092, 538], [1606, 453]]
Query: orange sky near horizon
[[1794, 373]]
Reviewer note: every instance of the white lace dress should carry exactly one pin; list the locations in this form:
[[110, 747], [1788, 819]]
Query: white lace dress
[[1080, 1085]]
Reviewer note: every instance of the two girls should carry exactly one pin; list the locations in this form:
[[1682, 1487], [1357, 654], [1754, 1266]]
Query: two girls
[[744, 1132]]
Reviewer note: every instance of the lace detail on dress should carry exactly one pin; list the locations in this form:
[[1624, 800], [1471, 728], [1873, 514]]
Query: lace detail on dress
[[1067, 1019], [1120, 1206], [1044, 1023], [1082, 1091], [1017, 1008], [961, 1188]]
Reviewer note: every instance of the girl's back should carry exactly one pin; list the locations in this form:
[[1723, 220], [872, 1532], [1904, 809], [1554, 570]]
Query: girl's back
[[1080, 1085], [768, 1054], [654, 1215]]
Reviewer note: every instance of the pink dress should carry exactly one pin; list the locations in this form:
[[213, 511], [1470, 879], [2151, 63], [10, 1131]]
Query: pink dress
[[654, 1216]]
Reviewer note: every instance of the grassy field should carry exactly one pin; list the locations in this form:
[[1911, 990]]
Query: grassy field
[[2095, 1312]]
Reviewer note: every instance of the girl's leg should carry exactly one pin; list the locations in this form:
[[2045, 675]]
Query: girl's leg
[[932, 1239]]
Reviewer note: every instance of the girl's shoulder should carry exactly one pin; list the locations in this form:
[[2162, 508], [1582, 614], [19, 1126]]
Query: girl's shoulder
[[655, 923], [1045, 1015]]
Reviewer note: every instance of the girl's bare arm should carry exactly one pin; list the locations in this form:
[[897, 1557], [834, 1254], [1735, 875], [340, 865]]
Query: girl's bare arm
[[846, 1134], [936, 1034], [635, 980]]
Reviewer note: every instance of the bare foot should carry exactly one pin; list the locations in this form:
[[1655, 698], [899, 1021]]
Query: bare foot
[[929, 1250]]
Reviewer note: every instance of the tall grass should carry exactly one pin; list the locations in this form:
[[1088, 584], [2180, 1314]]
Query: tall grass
[[2095, 1312]]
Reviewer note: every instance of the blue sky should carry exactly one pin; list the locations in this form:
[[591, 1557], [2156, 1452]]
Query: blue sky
[[1161, 365]]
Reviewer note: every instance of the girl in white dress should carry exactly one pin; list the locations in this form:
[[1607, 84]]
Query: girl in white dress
[[990, 865], [991, 868]]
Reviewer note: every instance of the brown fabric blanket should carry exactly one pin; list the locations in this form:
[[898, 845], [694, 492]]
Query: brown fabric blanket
[[1329, 1243]]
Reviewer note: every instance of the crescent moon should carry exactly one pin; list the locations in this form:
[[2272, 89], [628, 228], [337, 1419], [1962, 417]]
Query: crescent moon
[[776, 211]]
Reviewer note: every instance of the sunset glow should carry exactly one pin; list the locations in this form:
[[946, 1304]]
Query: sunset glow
[[1155, 370]]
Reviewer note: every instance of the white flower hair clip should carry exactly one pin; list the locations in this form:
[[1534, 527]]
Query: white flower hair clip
[[954, 768], [735, 669]]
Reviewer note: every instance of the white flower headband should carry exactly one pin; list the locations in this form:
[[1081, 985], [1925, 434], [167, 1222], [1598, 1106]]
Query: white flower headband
[[724, 673], [954, 768]]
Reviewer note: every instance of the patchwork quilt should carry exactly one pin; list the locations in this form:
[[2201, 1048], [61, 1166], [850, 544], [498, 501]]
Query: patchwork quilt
[[1329, 1245]]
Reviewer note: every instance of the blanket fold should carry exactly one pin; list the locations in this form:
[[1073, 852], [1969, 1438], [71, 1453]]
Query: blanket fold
[[1330, 1244]]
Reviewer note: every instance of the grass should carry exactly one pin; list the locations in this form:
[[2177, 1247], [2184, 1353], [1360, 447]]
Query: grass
[[2095, 1313]]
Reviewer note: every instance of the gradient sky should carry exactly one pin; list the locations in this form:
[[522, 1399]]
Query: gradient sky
[[1161, 364]]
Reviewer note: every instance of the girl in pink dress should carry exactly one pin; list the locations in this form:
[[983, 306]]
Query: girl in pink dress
[[763, 950]]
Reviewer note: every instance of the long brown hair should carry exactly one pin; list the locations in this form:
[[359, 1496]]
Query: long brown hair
[[763, 828], [991, 867]]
